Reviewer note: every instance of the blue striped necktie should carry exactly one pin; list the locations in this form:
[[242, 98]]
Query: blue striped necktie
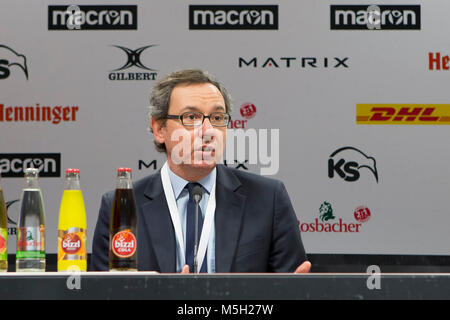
[[190, 230]]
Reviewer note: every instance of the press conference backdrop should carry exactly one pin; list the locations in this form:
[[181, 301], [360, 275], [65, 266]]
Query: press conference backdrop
[[358, 101]]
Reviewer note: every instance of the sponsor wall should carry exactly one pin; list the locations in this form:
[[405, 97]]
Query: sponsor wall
[[354, 99]]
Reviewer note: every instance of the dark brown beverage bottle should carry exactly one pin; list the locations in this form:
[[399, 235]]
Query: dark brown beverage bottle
[[123, 225]]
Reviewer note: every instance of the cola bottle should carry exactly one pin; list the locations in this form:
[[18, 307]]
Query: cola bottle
[[30, 255], [123, 225]]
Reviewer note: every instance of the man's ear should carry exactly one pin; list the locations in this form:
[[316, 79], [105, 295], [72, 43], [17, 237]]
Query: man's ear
[[158, 128]]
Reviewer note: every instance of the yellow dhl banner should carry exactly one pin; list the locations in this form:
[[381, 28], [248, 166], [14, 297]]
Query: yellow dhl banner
[[400, 114]]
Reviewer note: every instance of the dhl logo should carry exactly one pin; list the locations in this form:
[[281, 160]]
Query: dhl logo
[[415, 114]]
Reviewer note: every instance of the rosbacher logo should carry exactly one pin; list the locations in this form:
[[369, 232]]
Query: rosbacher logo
[[328, 223], [88, 17], [233, 17], [12, 165]]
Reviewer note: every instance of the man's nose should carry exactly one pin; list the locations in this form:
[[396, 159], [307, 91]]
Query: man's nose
[[206, 125]]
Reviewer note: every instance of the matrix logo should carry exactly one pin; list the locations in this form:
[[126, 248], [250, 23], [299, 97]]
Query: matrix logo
[[375, 17], [10, 58], [295, 62], [403, 114], [233, 17], [142, 164], [88, 17], [12, 165], [347, 163]]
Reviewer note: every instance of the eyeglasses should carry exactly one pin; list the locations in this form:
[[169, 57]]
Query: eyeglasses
[[196, 119]]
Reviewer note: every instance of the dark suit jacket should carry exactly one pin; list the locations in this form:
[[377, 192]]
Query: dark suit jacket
[[256, 227]]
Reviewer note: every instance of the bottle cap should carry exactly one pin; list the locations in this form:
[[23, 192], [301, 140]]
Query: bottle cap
[[31, 172], [73, 170], [123, 170]]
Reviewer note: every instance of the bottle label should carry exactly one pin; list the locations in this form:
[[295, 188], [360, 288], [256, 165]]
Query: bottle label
[[3, 244], [124, 244], [30, 243], [72, 244]]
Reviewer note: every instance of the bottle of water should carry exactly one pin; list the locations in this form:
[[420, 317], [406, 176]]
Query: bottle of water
[[30, 254]]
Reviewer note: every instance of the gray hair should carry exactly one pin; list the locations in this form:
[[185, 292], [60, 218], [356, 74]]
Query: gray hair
[[160, 96]]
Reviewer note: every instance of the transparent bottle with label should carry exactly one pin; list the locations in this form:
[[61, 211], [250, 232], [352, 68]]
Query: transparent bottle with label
[[3, 233], [72, 226], [30, 255], [123, 225]]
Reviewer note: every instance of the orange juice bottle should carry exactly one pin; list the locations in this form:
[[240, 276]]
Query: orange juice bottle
[[72, 226]]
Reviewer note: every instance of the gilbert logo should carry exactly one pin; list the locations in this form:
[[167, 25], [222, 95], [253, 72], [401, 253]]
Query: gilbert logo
[[403, 114], [12, 165], [133, 59], [347, 162], [375, 17], [88, 17], [233, 17], [10, 60]]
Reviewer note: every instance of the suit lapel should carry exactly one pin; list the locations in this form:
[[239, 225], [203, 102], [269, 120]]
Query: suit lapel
[[228, 217], [159, 224]]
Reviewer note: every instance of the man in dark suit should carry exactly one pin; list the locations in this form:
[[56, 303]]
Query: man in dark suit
[[246, 222]]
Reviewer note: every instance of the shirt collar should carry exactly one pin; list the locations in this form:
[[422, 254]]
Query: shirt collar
[[179, 183]]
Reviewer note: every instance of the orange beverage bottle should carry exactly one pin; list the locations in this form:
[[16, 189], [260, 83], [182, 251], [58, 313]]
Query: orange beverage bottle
[[72, 226]]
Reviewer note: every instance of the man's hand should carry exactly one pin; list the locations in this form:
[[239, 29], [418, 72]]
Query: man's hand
[[185, 269], [304, 267]]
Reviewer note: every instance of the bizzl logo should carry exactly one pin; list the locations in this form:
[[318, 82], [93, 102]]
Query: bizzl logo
[[233, 17], [12, 165], [10, 58], [347, 162], [403, 114]]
